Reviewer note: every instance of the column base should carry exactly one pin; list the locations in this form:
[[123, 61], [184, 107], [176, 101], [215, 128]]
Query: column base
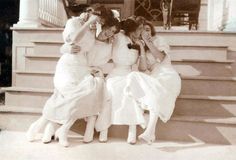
[[28, 24]]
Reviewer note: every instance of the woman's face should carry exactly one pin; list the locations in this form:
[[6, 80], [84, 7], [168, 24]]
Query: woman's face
[[110, 31], [137, 33], [147, 29], [107, 33]]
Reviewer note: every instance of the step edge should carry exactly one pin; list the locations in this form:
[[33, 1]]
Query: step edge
[[43, 56], [19, 109], [200, 97], [27, 89], [176, 60], [184, 77], [211, 98], [206, 119], [203, 61]]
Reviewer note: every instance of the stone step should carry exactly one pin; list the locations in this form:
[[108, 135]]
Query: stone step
[[179, 52], [47, 47], [31, 79], [184, 67], [198, 105], [44, 62], [206, 129], [26, 97], [205, 85], [203, 67], [219, 130], [199, 85], [203, 52]]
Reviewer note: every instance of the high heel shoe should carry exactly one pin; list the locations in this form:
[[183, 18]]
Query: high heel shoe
[[148, 139], [48, 133], [88, 136], [132, 135], [32, 132], [103, 136], [61, 136], [131, 139], [89, 131]]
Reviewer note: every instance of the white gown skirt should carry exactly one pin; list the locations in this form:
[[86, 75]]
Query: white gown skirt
[[124, 108], [160, 90], [77, 94]]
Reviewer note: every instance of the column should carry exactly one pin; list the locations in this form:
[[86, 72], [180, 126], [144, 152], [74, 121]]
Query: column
[[203, 15], [28, 14]]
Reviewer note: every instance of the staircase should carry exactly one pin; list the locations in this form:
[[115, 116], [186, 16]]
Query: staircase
[[205, 110]]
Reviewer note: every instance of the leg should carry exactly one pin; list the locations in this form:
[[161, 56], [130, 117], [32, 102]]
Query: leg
[[89, 132], [103, 122], [48, 132], [149, 134], [35, 128], [132, 134], [103, 135], [62, 132]]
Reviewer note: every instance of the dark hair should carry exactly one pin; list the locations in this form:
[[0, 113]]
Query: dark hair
[[129, 25], [104, 13], [113, 22], [140, 20], [153, 32]]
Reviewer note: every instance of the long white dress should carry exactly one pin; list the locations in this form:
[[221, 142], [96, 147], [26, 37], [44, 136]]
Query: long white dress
[[77, 93], [161, 86], [119, 108]]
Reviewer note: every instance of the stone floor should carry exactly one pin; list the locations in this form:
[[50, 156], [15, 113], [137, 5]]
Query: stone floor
[[13, 146]]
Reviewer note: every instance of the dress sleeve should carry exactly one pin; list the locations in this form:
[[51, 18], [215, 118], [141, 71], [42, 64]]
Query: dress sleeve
[[71, 27], [161, 44]]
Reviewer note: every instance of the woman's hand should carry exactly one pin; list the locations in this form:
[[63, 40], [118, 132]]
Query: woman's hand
[[140, 43], [97, 72], [146, 37], [75, 48]]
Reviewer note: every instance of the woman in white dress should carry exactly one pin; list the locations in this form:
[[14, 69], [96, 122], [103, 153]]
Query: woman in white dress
[[76, 89], [120, 109], [161, 84]]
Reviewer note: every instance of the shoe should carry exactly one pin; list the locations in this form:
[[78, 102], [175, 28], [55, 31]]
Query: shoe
[[89, 131], [88, 136], [48, 133], [131, 138], [61, 136], [132, 135], [103, 136], [148, 139], [32, 132]]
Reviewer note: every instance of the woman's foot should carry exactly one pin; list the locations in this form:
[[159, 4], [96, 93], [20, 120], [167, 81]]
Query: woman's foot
[[132, 135], [89, 132], [103, 136], [35, 128], [48, 133], [61, 136], [147, 138], [32, 132], [88, 136]]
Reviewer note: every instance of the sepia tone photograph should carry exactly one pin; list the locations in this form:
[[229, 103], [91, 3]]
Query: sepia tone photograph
[[117, 79]]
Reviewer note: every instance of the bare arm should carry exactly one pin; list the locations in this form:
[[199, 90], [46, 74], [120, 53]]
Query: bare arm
[[75, 34], [143, 59]]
